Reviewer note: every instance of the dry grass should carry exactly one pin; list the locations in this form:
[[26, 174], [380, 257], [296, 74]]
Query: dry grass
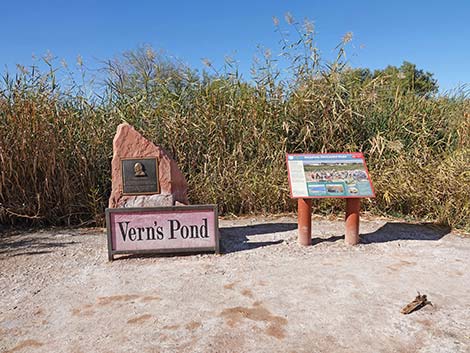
[[230, 136]]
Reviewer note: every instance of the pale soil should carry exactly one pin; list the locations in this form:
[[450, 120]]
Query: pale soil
[[266, 293]]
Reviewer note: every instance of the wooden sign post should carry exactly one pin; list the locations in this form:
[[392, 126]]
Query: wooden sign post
[[329, 175]]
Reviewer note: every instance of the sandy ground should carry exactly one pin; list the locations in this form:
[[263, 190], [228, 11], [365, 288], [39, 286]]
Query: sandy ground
[[266, 293]]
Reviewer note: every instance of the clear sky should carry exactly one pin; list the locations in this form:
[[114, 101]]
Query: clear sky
[[435, 35]]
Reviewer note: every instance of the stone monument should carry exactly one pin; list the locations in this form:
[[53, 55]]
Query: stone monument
[[148, 207], [143, 174]]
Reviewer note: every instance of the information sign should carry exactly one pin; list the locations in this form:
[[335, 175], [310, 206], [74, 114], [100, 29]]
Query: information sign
[[342, 175]]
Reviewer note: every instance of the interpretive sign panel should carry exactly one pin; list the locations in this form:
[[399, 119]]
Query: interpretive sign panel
[[321, 175], [140, 176], [162, 229]]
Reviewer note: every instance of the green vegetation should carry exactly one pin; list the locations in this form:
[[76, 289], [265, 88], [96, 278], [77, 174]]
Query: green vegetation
[[230, 135]]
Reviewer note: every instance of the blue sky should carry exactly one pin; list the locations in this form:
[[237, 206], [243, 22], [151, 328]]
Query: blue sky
[[435, 35]]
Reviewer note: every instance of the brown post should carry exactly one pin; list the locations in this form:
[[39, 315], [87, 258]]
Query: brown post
[[353, 209], [304, 221]]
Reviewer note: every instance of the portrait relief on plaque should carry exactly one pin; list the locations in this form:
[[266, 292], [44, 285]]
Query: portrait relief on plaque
[[139, 170], [140, 176]]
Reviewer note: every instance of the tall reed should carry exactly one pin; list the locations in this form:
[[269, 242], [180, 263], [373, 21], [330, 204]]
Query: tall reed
[[230, 135]]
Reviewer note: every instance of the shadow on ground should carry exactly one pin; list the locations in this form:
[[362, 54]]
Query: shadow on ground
[[392, 231], [30, 245], [332, 239], [233, 239]]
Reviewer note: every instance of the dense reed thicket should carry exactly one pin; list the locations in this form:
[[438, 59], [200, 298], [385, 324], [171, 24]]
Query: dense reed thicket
[[230, 135]]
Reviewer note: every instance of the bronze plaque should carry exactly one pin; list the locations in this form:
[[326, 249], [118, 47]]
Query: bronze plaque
[[140, 176]]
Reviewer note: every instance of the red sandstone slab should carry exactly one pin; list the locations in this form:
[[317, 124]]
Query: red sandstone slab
[[174, 229], [172, 187]]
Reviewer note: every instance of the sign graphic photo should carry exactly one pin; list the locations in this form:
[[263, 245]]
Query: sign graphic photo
[[342, 175]]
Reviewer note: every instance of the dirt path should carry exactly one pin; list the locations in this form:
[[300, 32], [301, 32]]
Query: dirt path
[[58, 293]]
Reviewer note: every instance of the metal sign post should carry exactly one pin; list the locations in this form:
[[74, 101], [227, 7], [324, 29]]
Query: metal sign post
[[353, 209], [304, 221]]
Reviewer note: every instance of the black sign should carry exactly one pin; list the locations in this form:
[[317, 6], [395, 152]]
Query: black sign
[[140, 176]]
